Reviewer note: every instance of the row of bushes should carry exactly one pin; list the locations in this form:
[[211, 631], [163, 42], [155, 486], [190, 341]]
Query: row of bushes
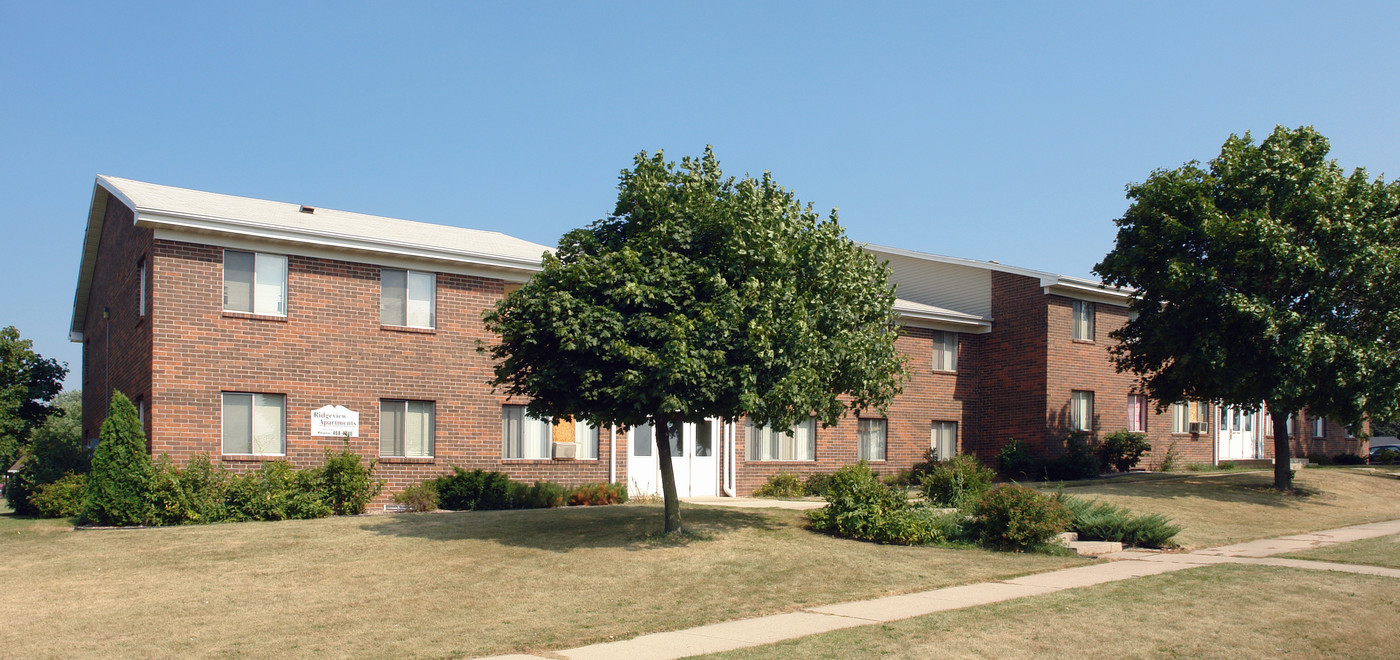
[[1344, 458], [479, 490], [201, 492], [962, 506], [1083, 458]]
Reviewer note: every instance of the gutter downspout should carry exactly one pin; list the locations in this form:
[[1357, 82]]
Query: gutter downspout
[[612, 456], [727, 460]]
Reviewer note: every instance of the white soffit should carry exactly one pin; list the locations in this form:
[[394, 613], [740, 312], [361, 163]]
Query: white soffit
[[1051, 283], [920, 315]]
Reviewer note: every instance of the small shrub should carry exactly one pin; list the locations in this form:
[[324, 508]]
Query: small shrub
[[918, 525], [473, 490], [1019, 518], [1100, 521], [541, 495], [1079, 461], [1319, 458], [1122, 450], [193, 494], [1346, 458], [119, 486], [1170, 459], [924, 468], [277, 491], [1015, 460], [597, 494], [900, 479], [818, 485], [782, 484], [62, 498], [348, 484], [858, 504], [956, 482], [1226, 465], [421, 497]]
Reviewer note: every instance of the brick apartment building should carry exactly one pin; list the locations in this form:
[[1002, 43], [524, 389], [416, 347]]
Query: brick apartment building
[[229, 320]]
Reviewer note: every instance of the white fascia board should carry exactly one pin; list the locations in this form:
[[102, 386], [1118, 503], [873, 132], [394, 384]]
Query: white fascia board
[[949, 323], [204, 224], [959, 261], [102, 189], [1085, 290]]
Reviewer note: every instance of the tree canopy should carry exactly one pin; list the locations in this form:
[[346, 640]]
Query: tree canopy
[[28, 383], [700, 296], [1270, 275]]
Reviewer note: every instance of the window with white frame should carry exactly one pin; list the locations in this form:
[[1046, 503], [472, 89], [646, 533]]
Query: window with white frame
[[1081, 411], [705, 438], [870, 439], [945, 351], [141, 268], [586, 435], [1183, 414], [1319, 427], [406, 428], [766, 444], [641, 440], [523, 436], [1137, 413], [254, 423], [943, 440], [407, 298], [255, 282], [1084, 320]]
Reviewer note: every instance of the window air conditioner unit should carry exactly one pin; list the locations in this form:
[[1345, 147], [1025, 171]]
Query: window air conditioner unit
[[1196, 427]]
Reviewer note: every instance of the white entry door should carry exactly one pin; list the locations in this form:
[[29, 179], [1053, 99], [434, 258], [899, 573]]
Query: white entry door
[[1237, 438], [692, 459]]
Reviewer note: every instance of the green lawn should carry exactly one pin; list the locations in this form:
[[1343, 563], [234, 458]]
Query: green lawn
[[1224, 611]]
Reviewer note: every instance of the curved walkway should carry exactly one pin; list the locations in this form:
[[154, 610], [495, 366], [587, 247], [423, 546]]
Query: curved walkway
[[1127, 565]]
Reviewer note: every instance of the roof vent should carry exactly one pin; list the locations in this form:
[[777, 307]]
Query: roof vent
[[307, 209]]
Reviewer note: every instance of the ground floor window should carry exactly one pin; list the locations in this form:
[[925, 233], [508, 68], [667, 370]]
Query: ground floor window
[[1184, 414], [586, 436], [254, 423], [766, 444], [1081, 411], [1319, 427], [1137, 413], [523, 436], [642, 440], [406, 428], [944, 440], [870, 440]]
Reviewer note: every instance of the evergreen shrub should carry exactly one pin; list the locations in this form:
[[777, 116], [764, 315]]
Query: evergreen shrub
[[1100, 521], [1122, 450], [541, 495], [1016, 461], [119, 486], [1347, 458]]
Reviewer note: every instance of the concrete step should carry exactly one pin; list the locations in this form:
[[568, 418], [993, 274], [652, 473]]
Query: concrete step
[[1087, 548]]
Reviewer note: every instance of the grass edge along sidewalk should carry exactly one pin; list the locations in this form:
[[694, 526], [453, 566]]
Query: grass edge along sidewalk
[[757, 631]]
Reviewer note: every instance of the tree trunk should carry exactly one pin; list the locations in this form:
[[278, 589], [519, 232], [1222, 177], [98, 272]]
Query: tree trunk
[[1283, 467], [662, 431]]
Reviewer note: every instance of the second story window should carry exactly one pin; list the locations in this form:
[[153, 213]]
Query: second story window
[[141, 267], [407, 298], [945, 351], [255, 283], [1083, 320]]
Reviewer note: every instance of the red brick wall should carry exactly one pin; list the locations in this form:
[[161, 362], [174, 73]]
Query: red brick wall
[[115, 287], [330, 349], [928, 396], [1010, 380]]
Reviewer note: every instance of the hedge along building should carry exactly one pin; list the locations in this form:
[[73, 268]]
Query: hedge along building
[[231, 322]]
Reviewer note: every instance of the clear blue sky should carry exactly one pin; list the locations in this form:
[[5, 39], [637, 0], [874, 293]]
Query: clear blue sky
[[982, 130]]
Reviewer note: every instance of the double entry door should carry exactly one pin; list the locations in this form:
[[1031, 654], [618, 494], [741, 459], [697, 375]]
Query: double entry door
[[1238, 434], [692, 458]]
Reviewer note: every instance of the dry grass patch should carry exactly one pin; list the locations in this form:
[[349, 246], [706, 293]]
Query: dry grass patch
[[1382, 551], [1228, 508], [447, 584], [1225, 611]]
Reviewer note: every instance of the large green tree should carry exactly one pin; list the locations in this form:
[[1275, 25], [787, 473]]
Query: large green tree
[[28, 383], [700, 297], [56, 448], [1270, 275]]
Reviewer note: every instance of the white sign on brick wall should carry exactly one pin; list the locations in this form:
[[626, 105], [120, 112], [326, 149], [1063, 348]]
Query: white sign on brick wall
[[335, 421]]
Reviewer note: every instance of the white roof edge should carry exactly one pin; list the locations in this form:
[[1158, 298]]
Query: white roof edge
[[102, 189], [957, 261], [1080, 288], [174, 220], [928, 314], [1063, 284]]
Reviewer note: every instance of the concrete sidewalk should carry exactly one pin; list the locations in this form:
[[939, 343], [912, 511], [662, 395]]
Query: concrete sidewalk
[[1129, 564]]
